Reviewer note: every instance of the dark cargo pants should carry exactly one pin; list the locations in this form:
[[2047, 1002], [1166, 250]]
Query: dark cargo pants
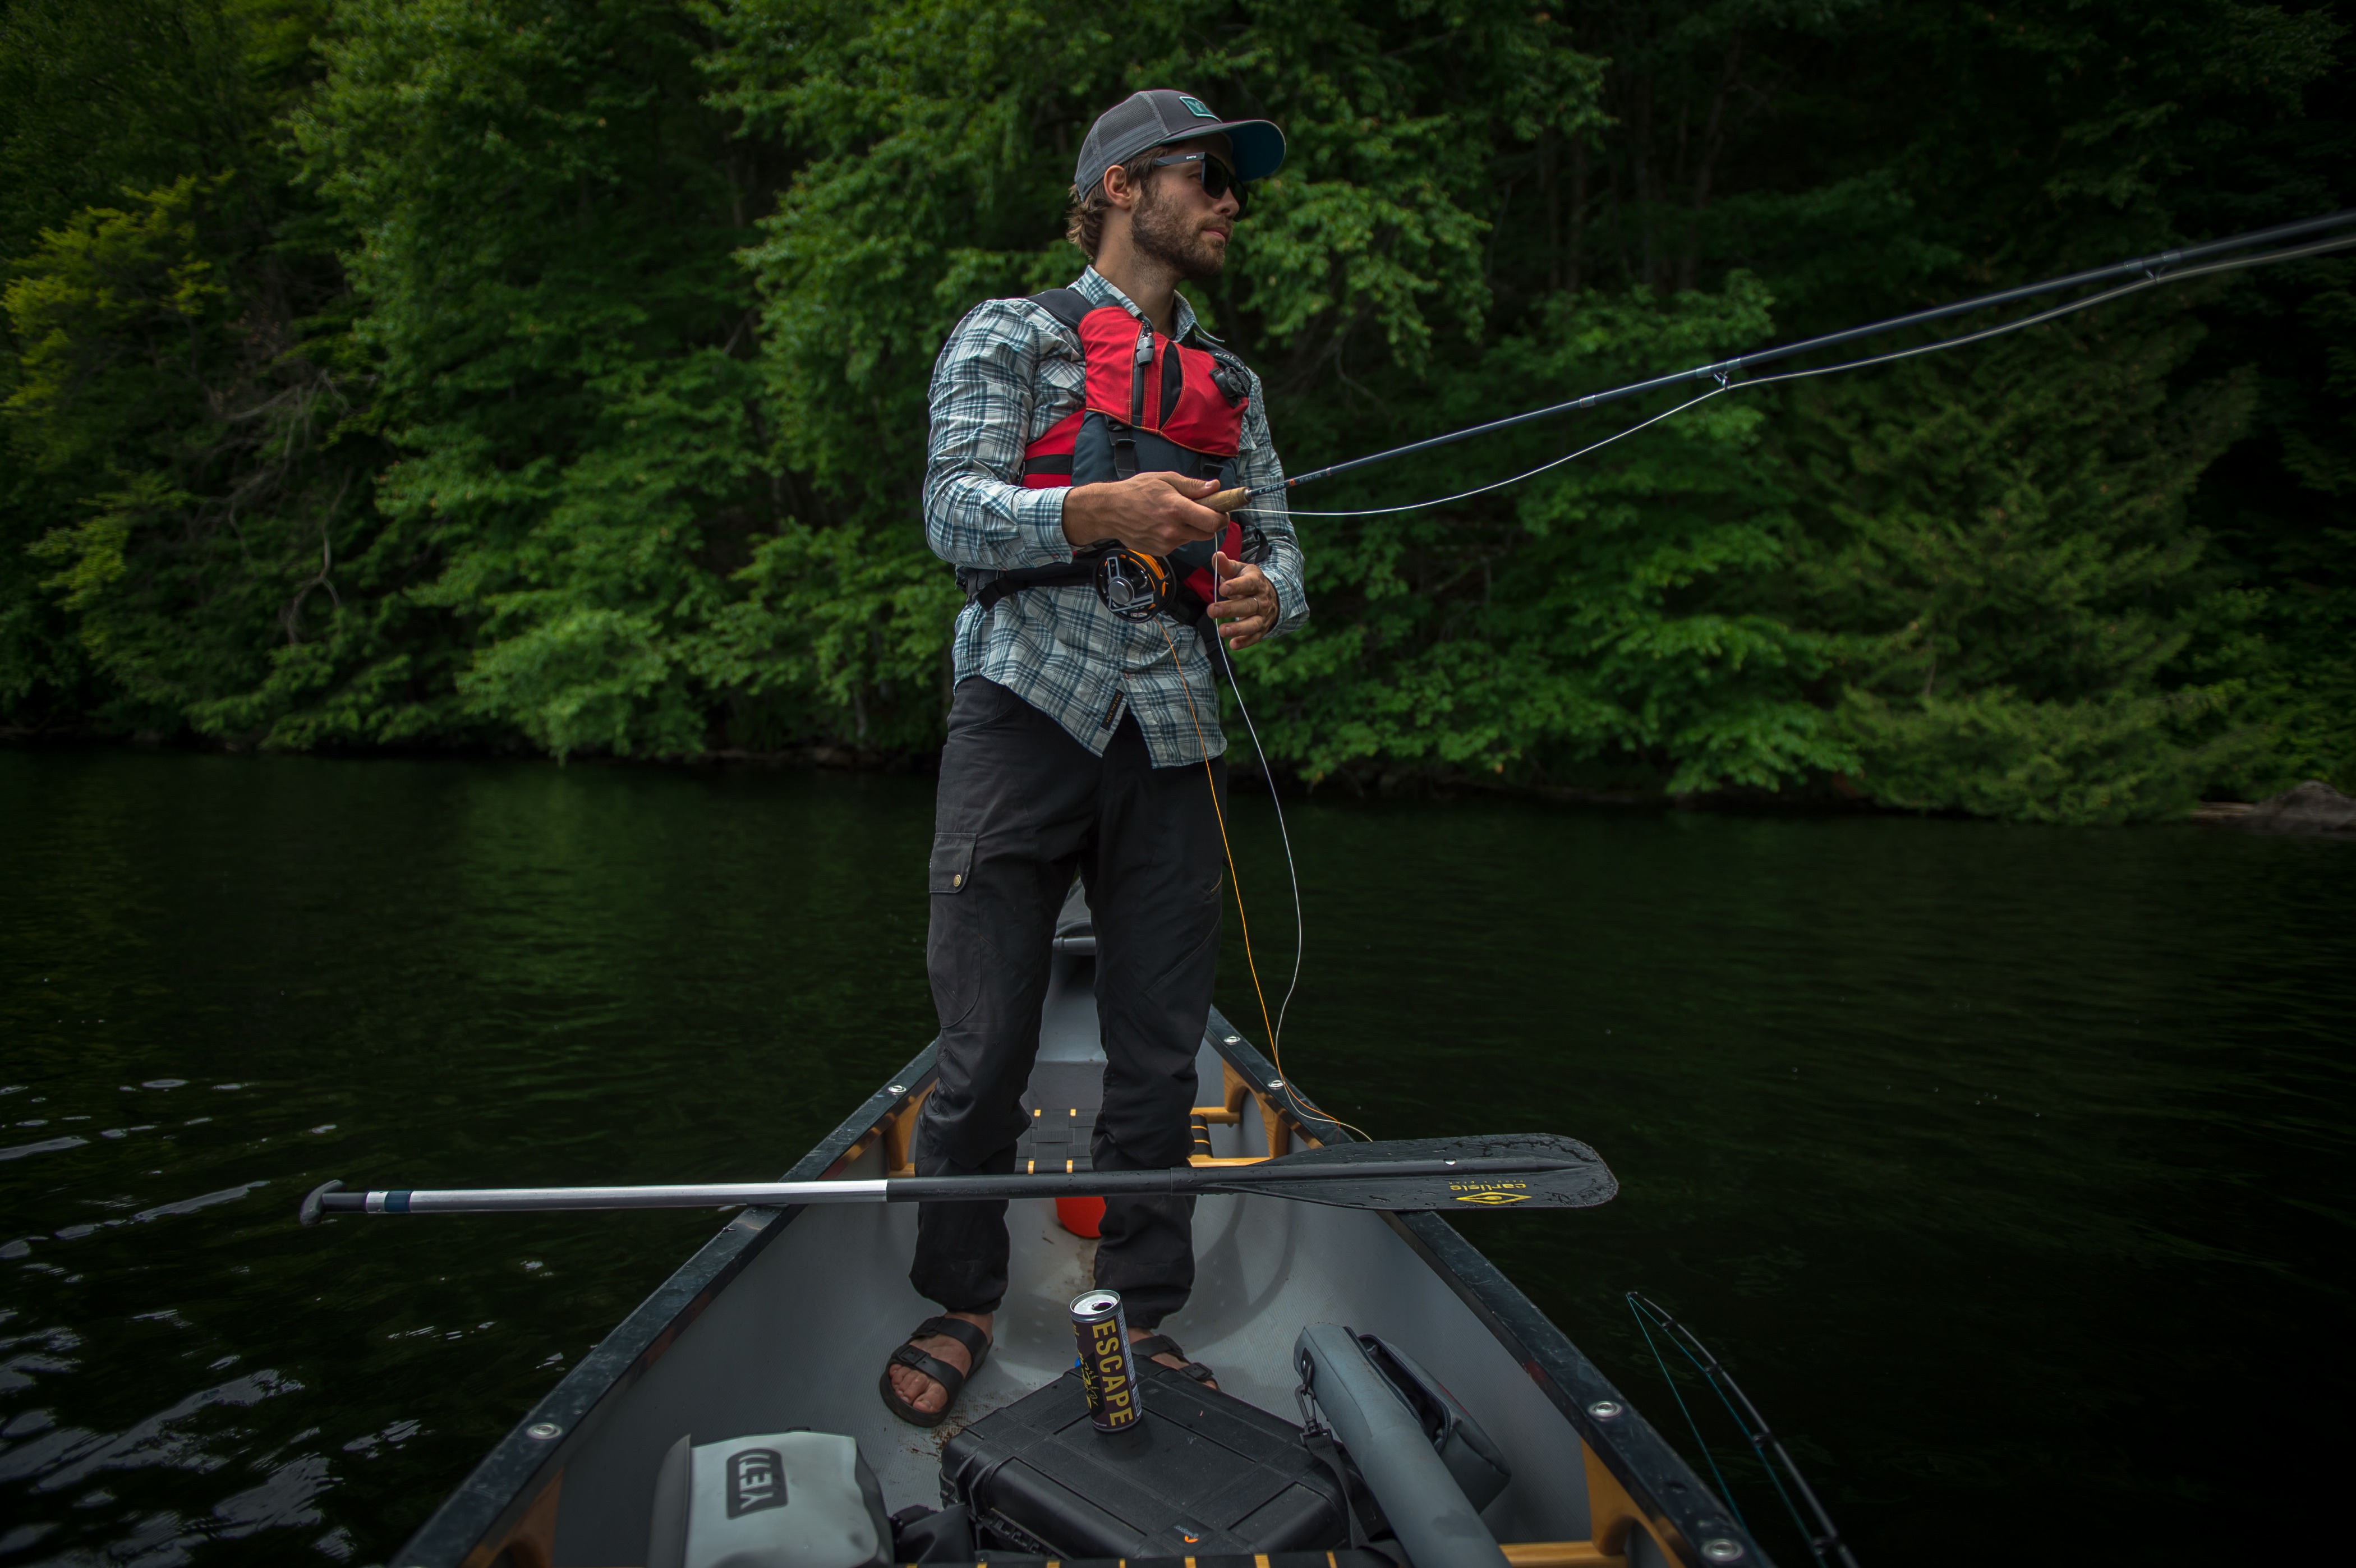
[[1021, 805]]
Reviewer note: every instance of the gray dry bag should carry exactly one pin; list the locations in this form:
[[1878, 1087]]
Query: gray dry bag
[[1470, 1457], [1378, 1423], [786, 1500]]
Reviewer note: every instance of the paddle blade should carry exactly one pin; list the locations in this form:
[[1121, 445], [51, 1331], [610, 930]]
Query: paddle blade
[[1511, 1170]]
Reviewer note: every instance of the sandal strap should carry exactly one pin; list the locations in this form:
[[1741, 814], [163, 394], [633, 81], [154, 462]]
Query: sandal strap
[[1154, 1345], [941, 1372], [976, 1343]]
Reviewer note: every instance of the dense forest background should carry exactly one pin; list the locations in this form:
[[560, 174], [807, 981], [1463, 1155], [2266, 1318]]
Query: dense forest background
[[490, 373]]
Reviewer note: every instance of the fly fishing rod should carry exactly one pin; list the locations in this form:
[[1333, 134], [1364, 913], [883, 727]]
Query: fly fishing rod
[[1823, 1538], [2149, 268], [1526, 1170]]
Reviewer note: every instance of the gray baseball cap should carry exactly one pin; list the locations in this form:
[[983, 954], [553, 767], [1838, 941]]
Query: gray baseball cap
[[1159, 115]]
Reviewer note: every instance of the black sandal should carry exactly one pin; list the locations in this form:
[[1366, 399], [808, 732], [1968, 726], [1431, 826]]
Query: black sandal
[[1154, 1345], [976, 1345]]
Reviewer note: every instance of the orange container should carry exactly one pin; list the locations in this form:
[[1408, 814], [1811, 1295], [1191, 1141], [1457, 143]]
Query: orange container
[[1080, 1216]]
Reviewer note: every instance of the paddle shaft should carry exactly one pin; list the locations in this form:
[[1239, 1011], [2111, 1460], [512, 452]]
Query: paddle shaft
[[909, 1189]]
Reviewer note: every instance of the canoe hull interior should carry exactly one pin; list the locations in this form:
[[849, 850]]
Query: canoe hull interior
[[799, 1338], [786, 1319]]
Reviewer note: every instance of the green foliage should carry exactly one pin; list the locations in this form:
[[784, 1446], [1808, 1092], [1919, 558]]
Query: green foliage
[[543, 211], [938, 143], [2002, 535], [1611, 616], [181, 385], [2312, 675], [1614, 608], [195, 434], [96, 95], [2283, 508], [399, 371], [44, 674]]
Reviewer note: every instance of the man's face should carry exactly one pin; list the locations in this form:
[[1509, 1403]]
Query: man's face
[[1176, 224]]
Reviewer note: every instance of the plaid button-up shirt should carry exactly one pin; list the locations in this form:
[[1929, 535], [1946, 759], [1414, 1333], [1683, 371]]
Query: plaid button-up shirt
[[1008, 374]]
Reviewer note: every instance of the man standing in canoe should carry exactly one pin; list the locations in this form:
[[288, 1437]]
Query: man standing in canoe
[[1074, 436]]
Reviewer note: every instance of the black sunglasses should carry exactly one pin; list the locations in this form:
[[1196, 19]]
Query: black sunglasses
[[1217, 177]]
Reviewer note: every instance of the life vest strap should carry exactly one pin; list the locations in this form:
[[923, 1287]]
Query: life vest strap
[[1068, 306], [1190, 567], [986, 589]]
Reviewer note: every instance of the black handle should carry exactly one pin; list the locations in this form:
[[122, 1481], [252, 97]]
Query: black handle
[[328, 1198]]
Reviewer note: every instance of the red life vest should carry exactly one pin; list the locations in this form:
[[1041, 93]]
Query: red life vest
[[1153, 405]]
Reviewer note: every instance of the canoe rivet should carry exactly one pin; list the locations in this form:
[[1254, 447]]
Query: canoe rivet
[[543, 1429], [896, 1088], [1276, 1083], [1235, 1039], [1604, 1410], [1719, 1549]]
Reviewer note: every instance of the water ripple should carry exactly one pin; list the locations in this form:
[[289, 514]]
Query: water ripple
[[1908, 1115]]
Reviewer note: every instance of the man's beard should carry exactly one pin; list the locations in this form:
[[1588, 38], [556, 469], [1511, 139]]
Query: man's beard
[[1159, 231]]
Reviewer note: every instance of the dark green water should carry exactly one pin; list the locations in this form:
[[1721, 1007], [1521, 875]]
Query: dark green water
[[2007, 1167]]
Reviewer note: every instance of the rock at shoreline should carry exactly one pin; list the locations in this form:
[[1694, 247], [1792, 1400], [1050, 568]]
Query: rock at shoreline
[[2313, 807]]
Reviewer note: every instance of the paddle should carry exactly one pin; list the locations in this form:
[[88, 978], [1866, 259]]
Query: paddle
[[1517, 1170]]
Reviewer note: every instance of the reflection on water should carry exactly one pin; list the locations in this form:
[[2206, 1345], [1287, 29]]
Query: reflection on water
[[1997, 1163]]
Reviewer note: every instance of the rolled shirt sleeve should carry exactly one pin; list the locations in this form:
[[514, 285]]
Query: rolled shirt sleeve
[[976, 511]]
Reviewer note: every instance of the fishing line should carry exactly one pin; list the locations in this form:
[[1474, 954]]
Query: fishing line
[[1692, 1426], [1824, 1540], [1728, 384], [1501, 483], [1303, 1108], [1722, 369], [1187, 690], [1300, 1102], [1292, 870]]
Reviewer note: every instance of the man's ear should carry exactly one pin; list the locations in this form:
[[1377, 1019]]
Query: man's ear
[[1121, 189]]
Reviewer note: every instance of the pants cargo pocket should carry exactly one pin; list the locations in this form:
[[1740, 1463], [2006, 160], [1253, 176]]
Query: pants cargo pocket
[[952, 865], [955, 949]]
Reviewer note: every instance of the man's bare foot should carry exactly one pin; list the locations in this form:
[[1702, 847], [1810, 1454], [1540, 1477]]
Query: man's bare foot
[[1174, 1363], [923, 1391]]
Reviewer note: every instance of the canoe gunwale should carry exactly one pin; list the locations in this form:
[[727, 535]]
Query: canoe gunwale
[[509, 1480], [1636, 1454]]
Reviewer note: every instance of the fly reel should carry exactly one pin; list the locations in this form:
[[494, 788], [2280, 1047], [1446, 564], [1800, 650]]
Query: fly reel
[[1133, 587], [1136, 586]]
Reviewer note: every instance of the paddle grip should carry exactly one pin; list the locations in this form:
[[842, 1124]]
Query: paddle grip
[[328, 1198]]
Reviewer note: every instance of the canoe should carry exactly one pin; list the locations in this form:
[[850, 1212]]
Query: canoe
[[783, 1320]]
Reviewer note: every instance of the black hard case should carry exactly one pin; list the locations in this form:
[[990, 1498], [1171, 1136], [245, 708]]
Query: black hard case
[[1207, 1474]]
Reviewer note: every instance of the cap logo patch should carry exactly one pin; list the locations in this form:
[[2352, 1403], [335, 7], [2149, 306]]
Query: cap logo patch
[[1194, 107]]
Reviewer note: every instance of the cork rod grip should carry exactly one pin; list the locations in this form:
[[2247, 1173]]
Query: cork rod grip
[[1228, 500]]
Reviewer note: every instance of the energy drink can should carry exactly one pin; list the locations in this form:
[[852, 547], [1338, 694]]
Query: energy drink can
[[1107, 1370]]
